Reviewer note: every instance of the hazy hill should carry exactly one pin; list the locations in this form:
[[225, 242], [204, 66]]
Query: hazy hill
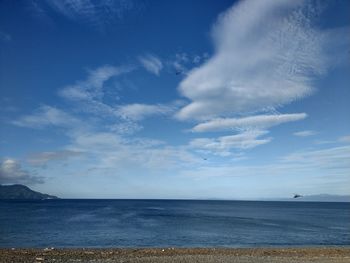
[[325, 198], [18, 191], [319, 198]]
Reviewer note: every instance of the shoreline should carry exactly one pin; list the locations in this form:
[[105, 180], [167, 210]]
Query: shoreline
[[290, 255]]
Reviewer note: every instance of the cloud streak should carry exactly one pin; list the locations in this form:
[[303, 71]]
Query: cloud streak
[[304, 133], [45, 157], [151, 63], [47, 116], [256, 122], [137, 111], [344, 139], [223, 145]]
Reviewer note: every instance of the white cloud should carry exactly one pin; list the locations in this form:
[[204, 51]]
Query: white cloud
[[266, 54], [256, 122], [47, 116], [11, 172], [304, 133], [138, 111], [151, 63], [223, 145]]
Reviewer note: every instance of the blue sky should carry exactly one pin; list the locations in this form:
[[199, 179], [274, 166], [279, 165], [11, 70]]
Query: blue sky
[[175, 99]]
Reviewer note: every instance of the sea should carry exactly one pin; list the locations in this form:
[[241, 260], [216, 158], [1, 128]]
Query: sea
[[172, 223]]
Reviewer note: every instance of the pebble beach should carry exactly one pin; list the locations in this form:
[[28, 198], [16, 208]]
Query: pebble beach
[[174, 255]]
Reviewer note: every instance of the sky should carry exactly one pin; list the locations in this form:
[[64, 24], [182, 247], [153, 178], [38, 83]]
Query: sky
[[175, 99]]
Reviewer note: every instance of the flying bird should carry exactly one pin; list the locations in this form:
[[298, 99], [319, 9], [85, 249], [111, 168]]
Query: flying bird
[[297, 196]]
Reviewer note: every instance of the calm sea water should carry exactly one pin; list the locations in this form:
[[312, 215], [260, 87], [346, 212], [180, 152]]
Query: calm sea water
[[165, 223]]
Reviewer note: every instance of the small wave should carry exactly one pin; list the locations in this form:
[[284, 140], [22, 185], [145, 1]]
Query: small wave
[[156, 208], [338, 228]]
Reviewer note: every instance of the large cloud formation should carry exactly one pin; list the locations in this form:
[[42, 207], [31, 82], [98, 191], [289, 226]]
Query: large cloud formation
[[266, 55]]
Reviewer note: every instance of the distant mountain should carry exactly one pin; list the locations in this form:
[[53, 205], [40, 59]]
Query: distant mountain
[[18, 191], [319, 198], [325, 198]]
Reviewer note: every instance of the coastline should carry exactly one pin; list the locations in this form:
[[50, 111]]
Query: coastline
[[290, 255]]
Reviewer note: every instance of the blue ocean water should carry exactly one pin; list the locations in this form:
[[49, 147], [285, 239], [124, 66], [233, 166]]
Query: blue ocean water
[[172, 223]]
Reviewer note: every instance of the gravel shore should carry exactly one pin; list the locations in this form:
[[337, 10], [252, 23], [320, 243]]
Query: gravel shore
[[173, 255]]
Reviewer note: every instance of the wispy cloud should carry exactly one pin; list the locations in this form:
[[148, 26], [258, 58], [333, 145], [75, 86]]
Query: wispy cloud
[[11, 172], [336, 157], [45, 157], [328, 162], [184, 62], [179, 64], [47, 116], [92, 88], [115, 154], [126, 127], [97, 14], [266, 54], [151, 63], [138, 111], [5, 37], [306, 133], [308, 171], [101, 148], [96, 129], [89, 95], [344, 139], [255, 122], [90, 99], [223, 145]]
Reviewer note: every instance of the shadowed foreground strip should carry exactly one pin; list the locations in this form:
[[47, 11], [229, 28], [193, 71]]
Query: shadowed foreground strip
[[337, 255]]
